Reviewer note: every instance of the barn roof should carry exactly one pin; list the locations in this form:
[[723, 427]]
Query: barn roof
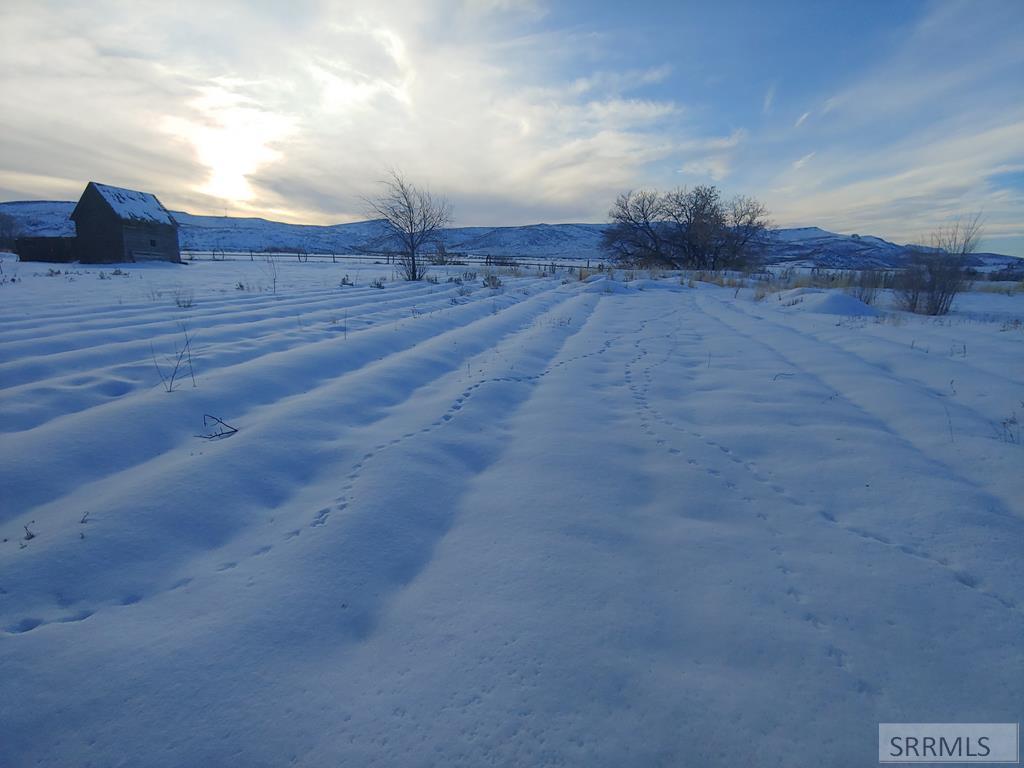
[[131, 205]]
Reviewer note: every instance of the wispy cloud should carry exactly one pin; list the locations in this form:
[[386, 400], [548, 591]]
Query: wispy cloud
[[769, 99], [713, 143], [710, 157], [916, 139], [940, 66], [910, 187], [714, 167], [620, 82], [803, 160]]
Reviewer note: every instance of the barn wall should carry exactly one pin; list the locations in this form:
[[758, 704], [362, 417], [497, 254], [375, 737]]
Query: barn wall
[[60, 250], [100, 236], [147, 241]]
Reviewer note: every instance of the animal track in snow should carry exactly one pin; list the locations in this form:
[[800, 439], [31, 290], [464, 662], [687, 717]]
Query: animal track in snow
[[648, 414]]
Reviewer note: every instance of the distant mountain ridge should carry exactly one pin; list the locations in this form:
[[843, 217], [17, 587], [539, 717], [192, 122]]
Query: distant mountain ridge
[[810, 246]]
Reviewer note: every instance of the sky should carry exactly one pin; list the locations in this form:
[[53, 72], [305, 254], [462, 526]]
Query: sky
[[882, 118]]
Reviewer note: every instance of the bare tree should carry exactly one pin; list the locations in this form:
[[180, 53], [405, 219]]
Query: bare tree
[[933, 278], [415, 218], [700, 222], [959, 238], [911, 282], [637, 233], [684, 228], [746, 225]]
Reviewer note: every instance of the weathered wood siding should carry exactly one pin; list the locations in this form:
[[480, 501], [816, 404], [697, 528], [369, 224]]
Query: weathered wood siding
[[100, 231], [144, 242], [60, 250]]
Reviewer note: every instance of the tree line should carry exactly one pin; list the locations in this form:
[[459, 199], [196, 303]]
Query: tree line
[[679, 229]]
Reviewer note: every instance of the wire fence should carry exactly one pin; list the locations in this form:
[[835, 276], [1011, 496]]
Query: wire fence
[[477, 260]]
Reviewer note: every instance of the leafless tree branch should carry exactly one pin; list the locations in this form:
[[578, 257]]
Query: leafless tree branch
[[415, 217]]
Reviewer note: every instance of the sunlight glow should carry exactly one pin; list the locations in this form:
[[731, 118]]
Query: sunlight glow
[[233, 138]]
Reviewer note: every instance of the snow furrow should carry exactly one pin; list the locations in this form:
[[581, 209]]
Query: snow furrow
[[967, 531], [141, 425]]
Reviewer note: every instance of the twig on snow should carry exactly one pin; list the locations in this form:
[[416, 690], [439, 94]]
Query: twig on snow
[[223, 429]]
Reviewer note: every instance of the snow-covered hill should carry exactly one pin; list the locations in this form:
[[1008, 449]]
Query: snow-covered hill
[[41, 218], [810, 246], [563, 240], [228, 233], [817, 247]]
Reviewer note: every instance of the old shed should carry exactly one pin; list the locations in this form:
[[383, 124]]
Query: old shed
[[115, 224], [59, 250]]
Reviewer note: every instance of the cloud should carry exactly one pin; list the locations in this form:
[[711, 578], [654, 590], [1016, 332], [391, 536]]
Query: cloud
[[940, 66], [232, 136], [620, 82], [294, 111], [298, 111], [713, 143], [910, 187], [532, 8], [712, 157], [714, 167], [803, 160], [914, 140]]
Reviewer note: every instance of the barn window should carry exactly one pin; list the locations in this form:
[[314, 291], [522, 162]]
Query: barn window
[[152, 243]]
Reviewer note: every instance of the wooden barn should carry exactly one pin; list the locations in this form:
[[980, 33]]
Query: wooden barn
[[115, 224]]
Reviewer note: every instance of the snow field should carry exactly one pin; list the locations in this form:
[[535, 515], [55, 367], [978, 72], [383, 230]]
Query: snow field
[[568, 524]]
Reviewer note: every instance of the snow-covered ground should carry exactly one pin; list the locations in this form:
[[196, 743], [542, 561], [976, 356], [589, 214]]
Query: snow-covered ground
[[559, 523]]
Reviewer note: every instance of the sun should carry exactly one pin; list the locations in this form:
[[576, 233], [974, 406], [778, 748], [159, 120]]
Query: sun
[[233, 136]]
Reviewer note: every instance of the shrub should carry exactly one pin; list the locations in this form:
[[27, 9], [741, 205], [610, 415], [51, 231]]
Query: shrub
[[932, 280], [866, 284], [930, 283], [184, 298], [440, 256]]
